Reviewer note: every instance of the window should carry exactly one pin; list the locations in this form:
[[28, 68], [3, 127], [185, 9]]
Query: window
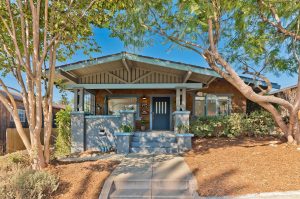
[[115, 105], [89, 103], [211, 105], [21, 114], [200, 106]]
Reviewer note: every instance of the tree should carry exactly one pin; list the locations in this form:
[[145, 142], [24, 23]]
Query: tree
[[35, 34], [231, 36]]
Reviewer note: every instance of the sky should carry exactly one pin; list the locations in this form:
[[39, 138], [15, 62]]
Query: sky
[[158, 50]]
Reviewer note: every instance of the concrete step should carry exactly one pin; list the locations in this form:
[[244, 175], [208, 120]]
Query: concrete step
[[153, 144], [132, 184], [129, 193], [171, 194], [154, 134], [169, 185], [158, 150], [153, 139]]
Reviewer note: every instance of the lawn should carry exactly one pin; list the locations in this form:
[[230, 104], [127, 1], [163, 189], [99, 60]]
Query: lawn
[[225, 166]]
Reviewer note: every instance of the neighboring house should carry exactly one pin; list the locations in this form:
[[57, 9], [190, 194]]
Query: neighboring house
[[163, 94], [287, 93], [7, 121]]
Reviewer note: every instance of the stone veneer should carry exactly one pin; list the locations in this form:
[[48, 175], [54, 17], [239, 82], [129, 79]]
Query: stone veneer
[[93, 132]]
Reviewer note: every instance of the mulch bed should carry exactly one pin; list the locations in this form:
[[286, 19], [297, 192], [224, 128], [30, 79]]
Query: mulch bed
[[242, 166], [82, 180]]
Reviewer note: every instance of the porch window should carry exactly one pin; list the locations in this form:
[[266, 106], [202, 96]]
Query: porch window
[[212, 105], [89, 103], [117, 104]]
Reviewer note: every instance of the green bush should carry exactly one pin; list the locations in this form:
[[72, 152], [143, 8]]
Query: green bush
[[208, 126], [258, 123], [63, 139], [35, 184]]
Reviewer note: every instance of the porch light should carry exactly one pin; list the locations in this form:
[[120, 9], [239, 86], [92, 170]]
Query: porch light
[[144, 97]]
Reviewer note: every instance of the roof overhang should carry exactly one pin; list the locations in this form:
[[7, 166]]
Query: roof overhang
[[66, 70], [137, 86]]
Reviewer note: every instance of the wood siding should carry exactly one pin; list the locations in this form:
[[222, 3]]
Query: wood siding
[[138, 76]]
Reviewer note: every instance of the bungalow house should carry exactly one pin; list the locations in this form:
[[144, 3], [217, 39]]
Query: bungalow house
[[6, 121], [126, 88]]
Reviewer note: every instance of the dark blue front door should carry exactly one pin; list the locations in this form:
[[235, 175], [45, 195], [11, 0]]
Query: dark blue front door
[[161, 113]]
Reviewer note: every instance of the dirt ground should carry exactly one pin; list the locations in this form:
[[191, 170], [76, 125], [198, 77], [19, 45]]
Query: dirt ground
[[241, 166], [82, 180]]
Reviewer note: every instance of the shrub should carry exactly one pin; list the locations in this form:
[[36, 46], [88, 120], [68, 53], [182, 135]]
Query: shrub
[[14, 160], [35, 184], [234, 125], [208, 126], [63, 139], [257, 123]]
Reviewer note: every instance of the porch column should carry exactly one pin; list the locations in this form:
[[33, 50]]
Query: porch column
[[81, 99], [180, 99], [78, 99]]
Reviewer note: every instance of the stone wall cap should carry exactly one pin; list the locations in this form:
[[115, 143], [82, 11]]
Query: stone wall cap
[[184, 135], [101, 116], [123, 133], [77, 112], [127, 111], [181, 112]]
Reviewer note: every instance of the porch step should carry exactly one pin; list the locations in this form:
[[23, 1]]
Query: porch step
[[153, 144], [153, 139], [154, 150]]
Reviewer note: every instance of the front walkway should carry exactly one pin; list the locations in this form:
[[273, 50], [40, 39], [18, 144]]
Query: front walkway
[[151, 176]]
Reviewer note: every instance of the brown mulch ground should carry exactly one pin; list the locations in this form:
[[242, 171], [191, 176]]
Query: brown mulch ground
[[241, 166], [82, 180]]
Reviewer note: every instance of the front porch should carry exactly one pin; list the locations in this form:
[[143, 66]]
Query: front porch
[[146, 94]]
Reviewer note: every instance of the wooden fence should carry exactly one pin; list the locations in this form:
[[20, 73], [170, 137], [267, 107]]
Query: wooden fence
[[14, 142]]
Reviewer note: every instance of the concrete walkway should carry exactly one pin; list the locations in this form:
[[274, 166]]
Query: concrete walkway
[[151, 176]]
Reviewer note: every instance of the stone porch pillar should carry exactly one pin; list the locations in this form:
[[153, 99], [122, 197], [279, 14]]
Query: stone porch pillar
[[77, 131], [181, 118]]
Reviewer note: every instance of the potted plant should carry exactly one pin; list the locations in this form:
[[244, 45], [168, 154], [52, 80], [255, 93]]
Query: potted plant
[[182, 129], [143, 125], [126, 128]]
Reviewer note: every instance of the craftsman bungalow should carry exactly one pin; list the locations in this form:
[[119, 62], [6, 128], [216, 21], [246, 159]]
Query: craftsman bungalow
[[126, 88]]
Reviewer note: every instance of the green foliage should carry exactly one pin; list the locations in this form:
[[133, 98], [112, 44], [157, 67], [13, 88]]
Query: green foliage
[[18, 180], [182, 128], [11, 161], [126, 128], [63, 139], [31, 184], [258, 123]]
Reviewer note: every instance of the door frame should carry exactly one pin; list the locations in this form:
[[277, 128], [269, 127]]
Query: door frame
[[171, 108]]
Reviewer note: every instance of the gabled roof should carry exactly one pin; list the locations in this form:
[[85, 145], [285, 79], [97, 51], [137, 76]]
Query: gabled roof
[[284, 89], [150, 60]]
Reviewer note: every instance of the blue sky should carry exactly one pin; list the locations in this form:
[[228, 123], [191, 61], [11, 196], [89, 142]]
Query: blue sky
[[113, 45]]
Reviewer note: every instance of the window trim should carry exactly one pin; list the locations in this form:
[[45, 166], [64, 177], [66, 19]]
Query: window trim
[[108, 97], [205, 95]]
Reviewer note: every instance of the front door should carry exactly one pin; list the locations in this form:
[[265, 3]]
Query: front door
[[161, 113]]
